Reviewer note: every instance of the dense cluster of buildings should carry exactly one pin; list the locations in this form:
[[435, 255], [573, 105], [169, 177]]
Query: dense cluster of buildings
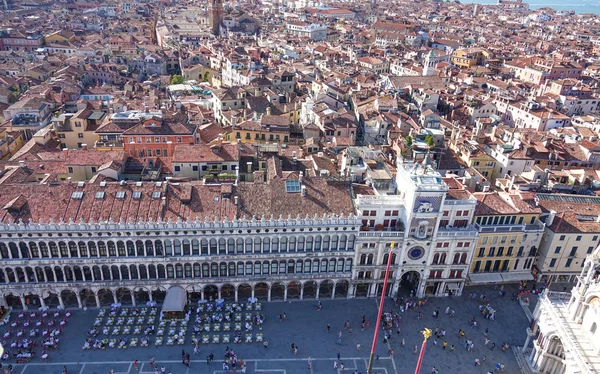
[[285, 150]]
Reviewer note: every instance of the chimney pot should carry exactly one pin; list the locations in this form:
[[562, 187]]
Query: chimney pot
[[84, 147], [66, 152], [22, 164]]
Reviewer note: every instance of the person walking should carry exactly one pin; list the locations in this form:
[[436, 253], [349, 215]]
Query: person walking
[[309, 363], [445, 344], [477, 362], [415, 350], [328, 328], [266, 344], [342, 366], [335, 365], [339, 356], [358, 347], [493, 346], [152, 363], [135, 365]]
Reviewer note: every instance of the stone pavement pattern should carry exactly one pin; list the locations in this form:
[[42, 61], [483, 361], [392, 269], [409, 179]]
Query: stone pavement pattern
[[306, 328]]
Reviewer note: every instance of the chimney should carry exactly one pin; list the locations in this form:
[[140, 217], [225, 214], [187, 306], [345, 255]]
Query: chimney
[[220, 140], [84, 147], [22, 164], [249, 167], [303, 190], [235, 200], [268, 113], [66, 152], [300, 177], [259, 176], [550, 218]]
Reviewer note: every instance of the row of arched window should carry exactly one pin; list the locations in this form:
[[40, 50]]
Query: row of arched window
[[195, 270], [185, 247]]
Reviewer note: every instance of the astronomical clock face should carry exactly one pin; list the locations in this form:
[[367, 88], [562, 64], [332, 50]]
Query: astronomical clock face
[[416, 253]]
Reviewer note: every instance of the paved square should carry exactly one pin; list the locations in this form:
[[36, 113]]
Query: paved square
[[306, 327]]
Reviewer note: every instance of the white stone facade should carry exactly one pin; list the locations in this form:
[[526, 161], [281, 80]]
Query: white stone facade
[[566, 324]]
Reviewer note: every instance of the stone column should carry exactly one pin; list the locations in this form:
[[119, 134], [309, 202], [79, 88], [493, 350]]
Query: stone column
[[60, 301], [333, 292], [285, 293], [133, 298], [529, 336], [54, 272], [202, 294], [253, 292], [268, 294], [219, 292], [532, 355], [23, 302], [350, 291], [115, 299], [317, 292], [42, 302], [236, 293], [302, 291], [150, 296], [79, 303], [97, 300]]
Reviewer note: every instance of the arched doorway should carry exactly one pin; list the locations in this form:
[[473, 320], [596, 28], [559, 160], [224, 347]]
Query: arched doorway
[[194, 294], [228, 292], [341, 289], [362, 290], [159, 295], [32, 300], [261, 291], [310, 290], [277, 291], [244, 292], [69, 299], [88, 298], [141, 295], [13, 300], [105, 296], [211, 292], [50, 298], [124, 296], [325, 289], [409, 282], [293, 290]]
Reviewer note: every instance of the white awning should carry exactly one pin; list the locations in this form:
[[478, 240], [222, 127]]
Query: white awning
[[175, 300], [517, 276], [453, 285], [485, 278]]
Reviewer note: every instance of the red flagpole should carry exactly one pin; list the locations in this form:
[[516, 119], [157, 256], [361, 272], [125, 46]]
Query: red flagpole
[[380, 312], [426, 335]]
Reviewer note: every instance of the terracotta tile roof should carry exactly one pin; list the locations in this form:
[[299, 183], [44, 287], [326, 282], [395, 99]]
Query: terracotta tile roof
[[228, 152], [185, 202], [322, 197], [491, 203], [92, 157]]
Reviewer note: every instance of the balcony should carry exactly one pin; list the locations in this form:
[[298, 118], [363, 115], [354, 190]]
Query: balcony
[[449, 232], [108, 144], [535, 227]]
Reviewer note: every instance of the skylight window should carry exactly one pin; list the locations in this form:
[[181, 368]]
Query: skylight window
[[120, 195], [292, 186], [100, 195], [136, 195], [77, 195], [156, 195]]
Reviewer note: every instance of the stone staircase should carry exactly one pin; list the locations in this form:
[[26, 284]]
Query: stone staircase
[[522, 360]]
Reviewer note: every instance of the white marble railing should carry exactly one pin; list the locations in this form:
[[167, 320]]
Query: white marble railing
[[93, 226]]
